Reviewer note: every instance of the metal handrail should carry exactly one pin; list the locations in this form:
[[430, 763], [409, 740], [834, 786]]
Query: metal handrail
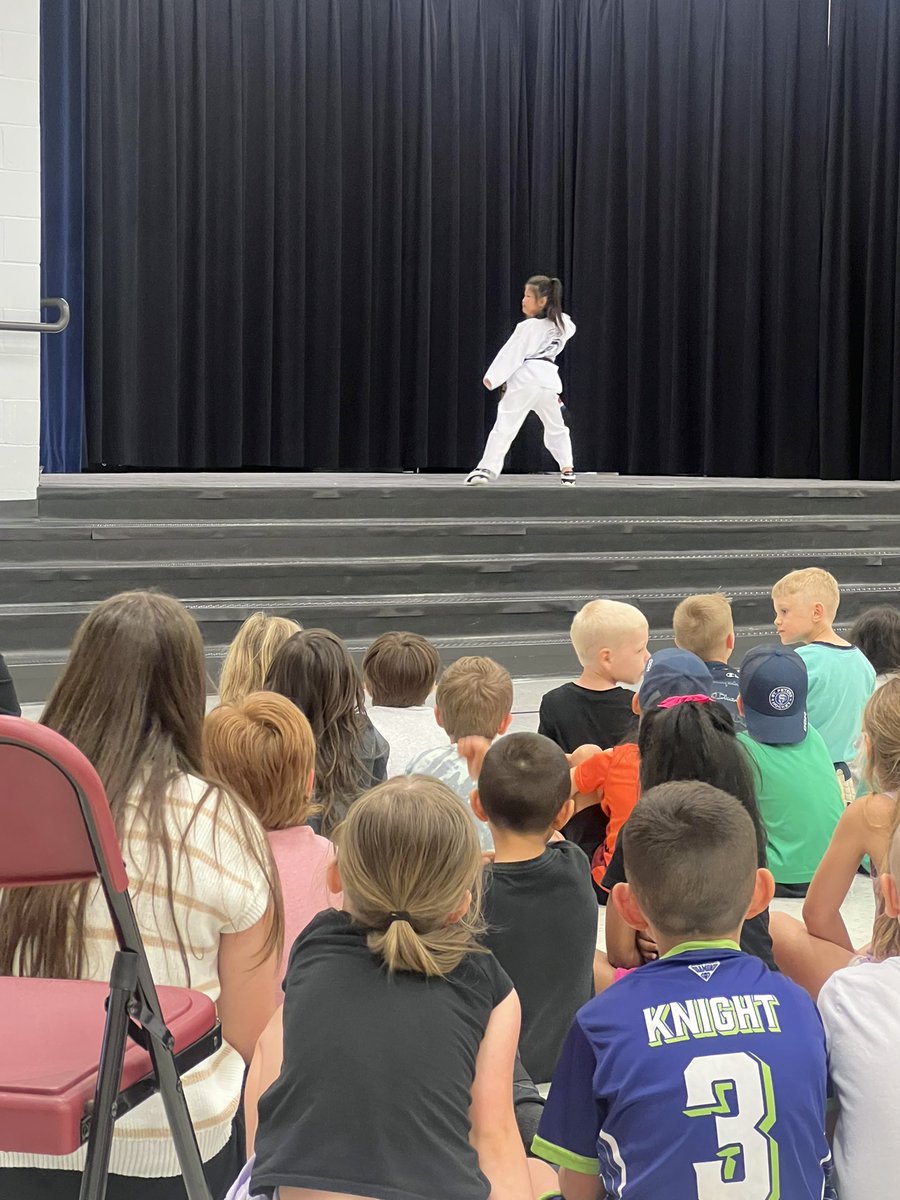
[[42, 326]]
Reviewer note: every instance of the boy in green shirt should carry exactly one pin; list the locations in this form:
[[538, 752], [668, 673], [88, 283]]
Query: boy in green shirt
[[796, 787]]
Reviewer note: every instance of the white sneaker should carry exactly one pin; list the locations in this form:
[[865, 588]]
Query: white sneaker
[[479, 477], [568, 477]]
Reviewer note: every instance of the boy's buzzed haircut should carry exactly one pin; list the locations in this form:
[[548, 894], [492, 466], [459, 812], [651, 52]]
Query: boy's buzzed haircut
[[524, 782], [474, 696], [601, 625], [813, 584], [702, 623], [691, 858], [400, 669]]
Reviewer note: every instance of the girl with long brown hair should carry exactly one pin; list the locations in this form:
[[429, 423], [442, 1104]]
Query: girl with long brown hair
[[132, 697], [389, 1070], [314, 670]]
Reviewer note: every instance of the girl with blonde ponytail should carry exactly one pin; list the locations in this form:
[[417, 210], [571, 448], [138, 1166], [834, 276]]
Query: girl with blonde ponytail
[[811, 950], [389, 1069]]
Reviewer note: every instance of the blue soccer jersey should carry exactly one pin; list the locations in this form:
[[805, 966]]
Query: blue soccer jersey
[[701, 1076]]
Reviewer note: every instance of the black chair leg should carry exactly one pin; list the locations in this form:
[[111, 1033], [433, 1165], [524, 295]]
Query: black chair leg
[[183, 1135], [122, 984]]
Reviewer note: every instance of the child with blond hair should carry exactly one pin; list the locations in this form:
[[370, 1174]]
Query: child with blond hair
[[704, 625], [841, 678], [610, 640], [389, 1070], [250, 654], [262, 749]]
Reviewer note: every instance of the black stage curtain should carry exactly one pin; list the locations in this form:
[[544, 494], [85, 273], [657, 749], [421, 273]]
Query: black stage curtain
[[308, 224], [860, 324]]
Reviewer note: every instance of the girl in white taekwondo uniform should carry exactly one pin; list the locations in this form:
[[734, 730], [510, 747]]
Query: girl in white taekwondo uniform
[[527, 365]]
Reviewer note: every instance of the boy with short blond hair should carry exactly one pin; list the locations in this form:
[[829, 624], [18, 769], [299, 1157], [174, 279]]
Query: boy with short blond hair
[[474, 699], [610, 640], [841, 678], [702, 1072], [399, 671], [704, 625]]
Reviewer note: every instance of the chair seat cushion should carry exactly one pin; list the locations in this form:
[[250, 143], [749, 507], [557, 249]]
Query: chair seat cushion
[[50, 1036]]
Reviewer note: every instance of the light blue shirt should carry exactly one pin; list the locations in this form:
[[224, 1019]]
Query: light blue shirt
[[841, 680]]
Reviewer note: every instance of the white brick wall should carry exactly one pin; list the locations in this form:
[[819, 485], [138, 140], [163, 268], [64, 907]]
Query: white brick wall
[[20, 246]]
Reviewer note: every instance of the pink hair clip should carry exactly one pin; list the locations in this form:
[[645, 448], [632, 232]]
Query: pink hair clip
[[674, 701]]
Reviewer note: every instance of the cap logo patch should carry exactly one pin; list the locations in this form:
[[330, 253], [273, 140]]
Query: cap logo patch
[[781, 698], [704, 970]]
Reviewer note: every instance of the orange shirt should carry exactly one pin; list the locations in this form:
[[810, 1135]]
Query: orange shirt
[[616, 775]]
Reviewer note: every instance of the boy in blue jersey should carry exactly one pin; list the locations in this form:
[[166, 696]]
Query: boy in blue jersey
[[702, 1075]]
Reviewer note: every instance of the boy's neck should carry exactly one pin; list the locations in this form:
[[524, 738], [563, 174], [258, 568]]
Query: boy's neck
[[721, 655], [665, 943], [826, 634], [511, 847], [595, 681]]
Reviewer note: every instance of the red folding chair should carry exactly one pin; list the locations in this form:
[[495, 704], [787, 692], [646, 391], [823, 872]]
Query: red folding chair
[[76, 1055]]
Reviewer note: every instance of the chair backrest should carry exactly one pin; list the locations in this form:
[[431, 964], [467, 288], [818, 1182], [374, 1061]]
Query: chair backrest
[[55, 823]]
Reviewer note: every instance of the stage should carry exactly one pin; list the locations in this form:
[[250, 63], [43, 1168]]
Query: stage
[[495, 570]]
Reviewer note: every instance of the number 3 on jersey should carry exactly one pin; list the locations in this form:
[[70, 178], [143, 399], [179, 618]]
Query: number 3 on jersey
[[735, 1089]]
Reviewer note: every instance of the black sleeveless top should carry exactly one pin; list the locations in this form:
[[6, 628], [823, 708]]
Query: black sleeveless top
[[374, 1093]]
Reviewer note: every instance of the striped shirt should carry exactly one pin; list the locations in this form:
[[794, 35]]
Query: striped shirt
[[218, 888]]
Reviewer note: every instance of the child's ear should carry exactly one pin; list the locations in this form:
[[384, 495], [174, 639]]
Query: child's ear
[[311, 782], [740, 704], [818, 612], [333, 877], [565, 814], [437, 716], [763, 893], [729, 642], [636, 703], [457, 915], [477, 806], [504, 724], [627, 907], [891, 895]]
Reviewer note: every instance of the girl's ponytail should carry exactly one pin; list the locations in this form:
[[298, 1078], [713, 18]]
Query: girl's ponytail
[[549, 289], [411, 870]]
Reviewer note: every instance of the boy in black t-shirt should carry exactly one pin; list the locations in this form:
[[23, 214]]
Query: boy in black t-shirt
[[610, 639], [539, 903]]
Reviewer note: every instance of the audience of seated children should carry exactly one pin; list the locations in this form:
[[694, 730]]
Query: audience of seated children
[[877, 634], [611, 778], [474, 700], [859, 1009], [262, 749], [132, 697], [702, 1073], [813, 949], [797, 790], [539, 905], [610, 640], [315, 671], [9, 701], [841, 678], [705, 626], [250, 655], [685, 738], [389, 1069], [399, 671]]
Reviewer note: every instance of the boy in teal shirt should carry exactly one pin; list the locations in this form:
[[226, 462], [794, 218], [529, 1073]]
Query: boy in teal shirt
[[841, 678], [796, 786]]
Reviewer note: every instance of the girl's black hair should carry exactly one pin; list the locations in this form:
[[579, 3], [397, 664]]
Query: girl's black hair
[[548, 289], [697, 741], [877, 633]]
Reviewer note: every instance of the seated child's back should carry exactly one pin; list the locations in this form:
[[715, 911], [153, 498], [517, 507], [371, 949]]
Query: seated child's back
[[841, 678], [474, 699], [610, 640], [701, 1073], [399, 671], [539, 905], [705, 626], [262, 749]]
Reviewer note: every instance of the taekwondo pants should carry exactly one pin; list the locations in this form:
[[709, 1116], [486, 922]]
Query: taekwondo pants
[[514, 407]]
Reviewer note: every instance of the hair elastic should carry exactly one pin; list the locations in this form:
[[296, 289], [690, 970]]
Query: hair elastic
[[399, 916], [674, 701]]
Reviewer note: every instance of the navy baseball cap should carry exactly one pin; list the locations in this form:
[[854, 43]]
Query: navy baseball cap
[[774, 683], [673, 672]]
